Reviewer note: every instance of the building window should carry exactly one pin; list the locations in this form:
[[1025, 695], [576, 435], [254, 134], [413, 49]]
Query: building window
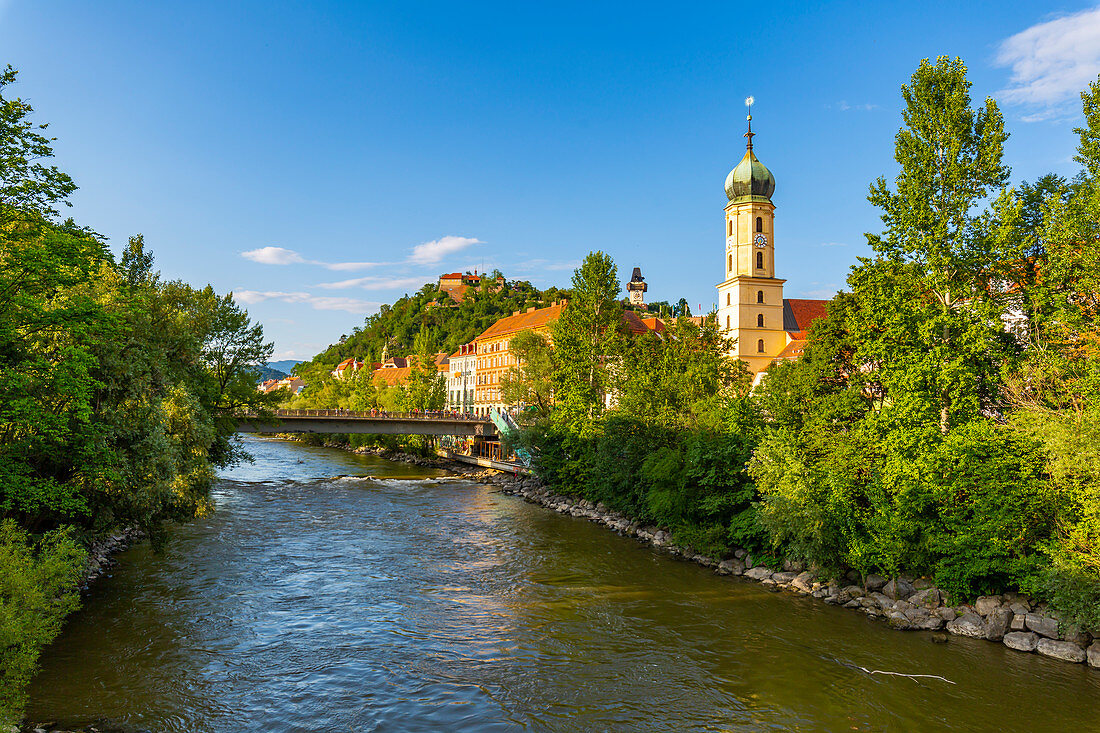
[[727, 322], [760, 320], [760, 260], [729, 267], [727, 298], [759, 296], [729, 228], [760, 346], [759, 224]]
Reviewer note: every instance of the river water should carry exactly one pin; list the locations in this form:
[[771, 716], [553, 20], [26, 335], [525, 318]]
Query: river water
[[335, 592]]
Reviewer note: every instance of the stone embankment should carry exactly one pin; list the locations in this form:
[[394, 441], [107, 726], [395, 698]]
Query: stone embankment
[[102, 551], [904, 603]]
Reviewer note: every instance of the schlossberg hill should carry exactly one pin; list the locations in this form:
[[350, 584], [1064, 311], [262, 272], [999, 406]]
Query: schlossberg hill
[[431, 320]]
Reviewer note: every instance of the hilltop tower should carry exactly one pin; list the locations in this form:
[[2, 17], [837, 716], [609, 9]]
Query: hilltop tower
[[637, 288], [750, 298]]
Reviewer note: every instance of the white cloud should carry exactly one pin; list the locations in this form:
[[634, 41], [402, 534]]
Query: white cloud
[[1052, 62], [843, 106], [319, 302], [282, 256], [376, 283], [273, 256], [434, 251]]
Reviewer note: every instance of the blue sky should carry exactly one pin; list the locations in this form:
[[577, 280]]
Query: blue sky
[[321, 158]]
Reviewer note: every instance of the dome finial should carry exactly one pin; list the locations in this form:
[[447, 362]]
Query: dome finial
[[748, 103]]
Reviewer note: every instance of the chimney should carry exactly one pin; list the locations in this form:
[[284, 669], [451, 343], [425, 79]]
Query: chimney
[[515, 313], [531, 309]]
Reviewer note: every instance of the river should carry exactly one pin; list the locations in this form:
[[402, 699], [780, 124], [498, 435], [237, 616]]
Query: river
[[336, 592]]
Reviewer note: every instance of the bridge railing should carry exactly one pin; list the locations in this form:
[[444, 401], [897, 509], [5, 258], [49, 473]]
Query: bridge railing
[[373, 414]]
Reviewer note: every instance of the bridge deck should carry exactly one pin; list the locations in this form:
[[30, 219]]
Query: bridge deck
[[372, 422]]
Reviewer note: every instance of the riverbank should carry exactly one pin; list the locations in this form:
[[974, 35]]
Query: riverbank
[[903, 603]]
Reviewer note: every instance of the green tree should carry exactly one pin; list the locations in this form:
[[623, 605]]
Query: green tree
[[940, 251], [530, 380], [1057, 389], [587, 337]]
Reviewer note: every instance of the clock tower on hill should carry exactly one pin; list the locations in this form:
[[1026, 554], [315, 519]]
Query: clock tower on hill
[[750, 299]]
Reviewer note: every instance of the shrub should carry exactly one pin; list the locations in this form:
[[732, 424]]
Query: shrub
[[37, 592]]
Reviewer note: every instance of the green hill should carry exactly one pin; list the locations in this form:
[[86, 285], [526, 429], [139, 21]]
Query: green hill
[[445, 325]]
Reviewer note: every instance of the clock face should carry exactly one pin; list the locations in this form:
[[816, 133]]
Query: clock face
[[760, 240]]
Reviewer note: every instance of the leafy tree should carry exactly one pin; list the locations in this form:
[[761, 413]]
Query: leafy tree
[[940, 251], [1057, 388], [37, 593], [529, 381], [587, 338], [117, 395], [30, 191]]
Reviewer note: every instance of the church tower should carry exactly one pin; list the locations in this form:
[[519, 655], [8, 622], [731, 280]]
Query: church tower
[[750, 299]]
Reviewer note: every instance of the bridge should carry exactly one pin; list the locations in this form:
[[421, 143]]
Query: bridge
[[373, 422]]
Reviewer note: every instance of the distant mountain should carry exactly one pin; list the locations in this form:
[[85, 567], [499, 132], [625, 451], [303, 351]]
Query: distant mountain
[[285, 366]]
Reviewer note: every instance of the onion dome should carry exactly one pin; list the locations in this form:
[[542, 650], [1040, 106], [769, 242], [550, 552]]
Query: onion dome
[[750, 179]]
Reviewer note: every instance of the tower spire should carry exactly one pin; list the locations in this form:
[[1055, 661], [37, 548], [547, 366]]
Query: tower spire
[[748, 103]]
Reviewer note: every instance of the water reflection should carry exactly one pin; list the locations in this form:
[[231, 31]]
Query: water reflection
[[340, 592]]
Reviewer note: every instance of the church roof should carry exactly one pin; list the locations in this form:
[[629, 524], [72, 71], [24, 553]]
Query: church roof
[[750, 179], [798, 314]]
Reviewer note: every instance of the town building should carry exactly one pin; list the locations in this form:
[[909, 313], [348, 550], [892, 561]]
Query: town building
[[751, 306], [293, 383], [637, 288], [457, 284], [494, 357], [348, 368], [395, 371], [461, 378]]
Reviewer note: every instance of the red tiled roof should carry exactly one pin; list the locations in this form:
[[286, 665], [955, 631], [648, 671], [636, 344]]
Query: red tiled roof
[[538, 318], [798, 314], [392, 376], [347, 363], [654, 324], [793, 350], [633, 323], [451, 276]]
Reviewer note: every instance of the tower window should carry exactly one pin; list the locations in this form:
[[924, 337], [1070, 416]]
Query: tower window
[[759, 223], [727, 322], [760, 320], [727, 298], [760, 260], [729, 228], [729, 267], [760, 346], [759, 296]]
